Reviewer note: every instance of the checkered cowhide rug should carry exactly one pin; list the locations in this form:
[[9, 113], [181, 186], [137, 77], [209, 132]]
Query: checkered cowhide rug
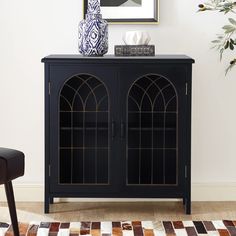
[[124, 228]]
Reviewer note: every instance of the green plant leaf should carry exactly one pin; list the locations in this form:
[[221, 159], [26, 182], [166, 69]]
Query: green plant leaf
[[229, 68], [232, 21], [229, 30], [226, 27], [221, 53], [231, 46], [226, 45]]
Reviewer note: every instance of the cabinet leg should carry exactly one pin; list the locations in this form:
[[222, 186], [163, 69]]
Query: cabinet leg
[[51, 200], [46, 205], [184, 201], [188, 206]]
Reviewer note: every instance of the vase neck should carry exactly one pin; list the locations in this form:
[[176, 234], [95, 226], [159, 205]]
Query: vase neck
[[93, 7]]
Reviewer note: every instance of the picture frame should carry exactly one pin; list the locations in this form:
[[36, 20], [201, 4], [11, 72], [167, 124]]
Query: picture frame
[[146, 13]]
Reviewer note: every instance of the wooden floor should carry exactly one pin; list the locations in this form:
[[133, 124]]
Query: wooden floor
[[112, 211]]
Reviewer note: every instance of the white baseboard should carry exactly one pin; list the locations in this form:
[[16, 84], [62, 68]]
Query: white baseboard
[[200, 192], [214, 192], [25, 192]]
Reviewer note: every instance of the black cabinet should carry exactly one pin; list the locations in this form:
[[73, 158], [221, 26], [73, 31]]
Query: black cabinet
[[118, 127]]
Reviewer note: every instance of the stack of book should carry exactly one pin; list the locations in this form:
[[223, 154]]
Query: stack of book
[[134, 50]]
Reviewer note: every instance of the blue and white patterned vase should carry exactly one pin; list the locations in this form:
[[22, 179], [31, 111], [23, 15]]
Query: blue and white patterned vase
[[93, 32]]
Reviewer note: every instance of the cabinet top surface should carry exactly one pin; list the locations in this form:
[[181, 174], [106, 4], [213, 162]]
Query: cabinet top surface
[[117, 59]]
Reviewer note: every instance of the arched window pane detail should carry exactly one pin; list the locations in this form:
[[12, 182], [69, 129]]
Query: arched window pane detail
[[77, 103], [152, 114], [84, 131]]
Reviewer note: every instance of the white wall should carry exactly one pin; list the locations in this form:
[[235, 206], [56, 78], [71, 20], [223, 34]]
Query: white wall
[[32, 29]]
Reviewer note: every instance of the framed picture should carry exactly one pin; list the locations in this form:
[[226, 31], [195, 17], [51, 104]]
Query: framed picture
[[129, 11]]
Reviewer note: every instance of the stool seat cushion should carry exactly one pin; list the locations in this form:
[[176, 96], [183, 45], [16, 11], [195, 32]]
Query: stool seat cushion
[[11, 164]]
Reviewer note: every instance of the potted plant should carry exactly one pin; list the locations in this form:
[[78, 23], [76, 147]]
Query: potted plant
[[227, 39]]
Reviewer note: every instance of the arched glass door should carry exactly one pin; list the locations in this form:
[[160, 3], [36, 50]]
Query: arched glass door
[[152, 132], [84, 131]]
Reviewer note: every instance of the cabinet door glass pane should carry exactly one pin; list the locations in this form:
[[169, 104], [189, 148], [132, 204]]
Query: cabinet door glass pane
[[152, 130], [84, 131]]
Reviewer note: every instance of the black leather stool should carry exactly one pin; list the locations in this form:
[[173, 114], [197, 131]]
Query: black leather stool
[[12, 165]]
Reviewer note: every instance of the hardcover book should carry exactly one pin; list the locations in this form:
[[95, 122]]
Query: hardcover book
[[134, 50]]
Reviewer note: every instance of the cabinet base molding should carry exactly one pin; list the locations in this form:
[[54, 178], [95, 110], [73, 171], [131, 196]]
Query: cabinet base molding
[[212, 192]]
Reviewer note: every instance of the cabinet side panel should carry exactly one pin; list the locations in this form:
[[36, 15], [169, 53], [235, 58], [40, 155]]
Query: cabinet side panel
[[188, 141], [47, 137]]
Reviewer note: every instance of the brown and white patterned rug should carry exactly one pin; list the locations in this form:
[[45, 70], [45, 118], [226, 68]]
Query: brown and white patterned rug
[[124, 228]]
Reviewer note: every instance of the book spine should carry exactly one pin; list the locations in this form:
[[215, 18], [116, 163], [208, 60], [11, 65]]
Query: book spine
[[135, 50]]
